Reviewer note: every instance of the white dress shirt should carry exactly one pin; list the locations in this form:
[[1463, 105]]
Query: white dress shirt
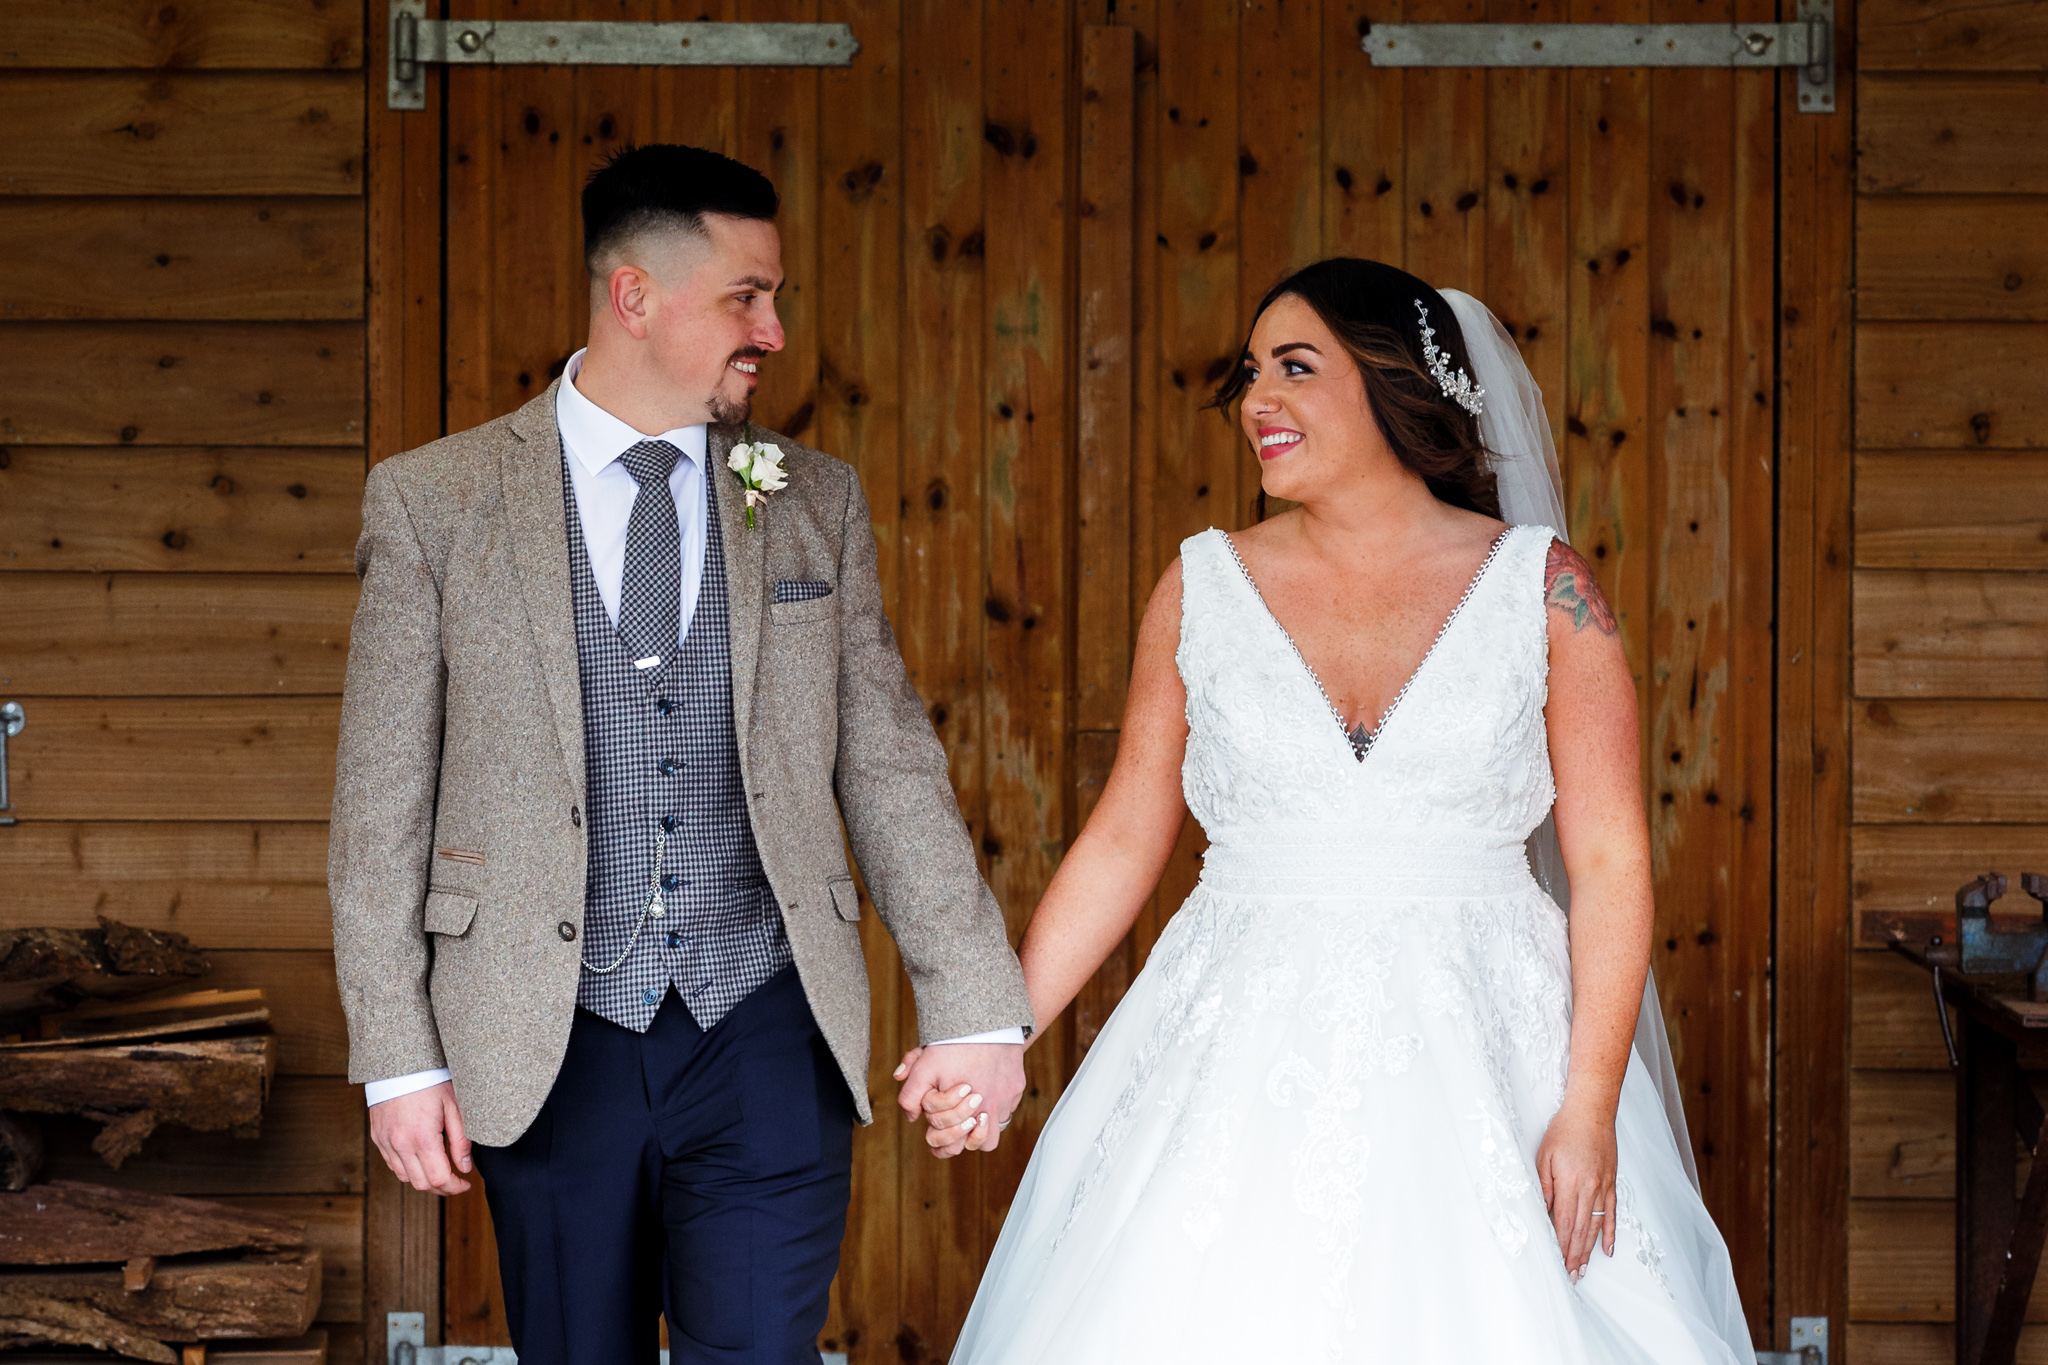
[[594, 440]]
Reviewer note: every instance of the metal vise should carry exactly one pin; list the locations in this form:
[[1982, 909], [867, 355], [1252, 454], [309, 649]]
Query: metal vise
[[1994, 951]]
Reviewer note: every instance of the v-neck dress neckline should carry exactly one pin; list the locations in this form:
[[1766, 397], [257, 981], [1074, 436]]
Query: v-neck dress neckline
[[1360, 748]]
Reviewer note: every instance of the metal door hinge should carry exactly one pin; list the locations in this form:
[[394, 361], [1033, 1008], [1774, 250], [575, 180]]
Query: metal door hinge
[[405, 1343], [1809, 1345], [417, 42], [1807, 43], [12, 719]]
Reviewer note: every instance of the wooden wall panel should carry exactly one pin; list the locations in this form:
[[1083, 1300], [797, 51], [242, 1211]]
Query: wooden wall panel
[[258, 34], [334, 1226], [213, 259], [233, 133], [1955, 385], [1893, 1025], [1902, 1135], [222, 885], [1974, 134], [138, 635], [182, 266], [1952, 510], [1945, 762], [1902, 1262], [304, 1005], [1905, 869], [1934, 634], [1873, 1343], [312, 1143], [1951, 621], [1952, 35], [1993, 265], [176, 758], [182, 383], [201, 510]]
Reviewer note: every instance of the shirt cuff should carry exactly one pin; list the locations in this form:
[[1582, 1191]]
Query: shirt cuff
[[376, 1092], [1013, 1034]]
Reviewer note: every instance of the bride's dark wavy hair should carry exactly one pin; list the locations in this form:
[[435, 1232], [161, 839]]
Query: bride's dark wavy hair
[[1370, 307]]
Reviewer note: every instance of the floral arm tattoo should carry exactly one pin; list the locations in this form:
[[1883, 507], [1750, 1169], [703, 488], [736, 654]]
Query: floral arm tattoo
[[1569, 586]]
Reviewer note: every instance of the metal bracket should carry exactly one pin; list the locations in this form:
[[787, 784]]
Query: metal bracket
[[1809, 1345], [417, 41], [12, 719], [405, 1343], [1807, 43]]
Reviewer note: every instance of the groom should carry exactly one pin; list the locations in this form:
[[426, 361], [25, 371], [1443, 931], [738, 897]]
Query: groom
[[592, 911]]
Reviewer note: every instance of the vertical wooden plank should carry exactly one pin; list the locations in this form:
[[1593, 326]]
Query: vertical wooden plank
[[1526, 232], [1364, 150], [1028, 508], [694, 105], [402, 174], [1444, 122], [1811, 1198], [940, 617], [775, 126], [1102, 382], [1714, 958], [860, 239], [1201, 459], [1605, 453], [1102, 397], [1280, 152], [1747, 738]]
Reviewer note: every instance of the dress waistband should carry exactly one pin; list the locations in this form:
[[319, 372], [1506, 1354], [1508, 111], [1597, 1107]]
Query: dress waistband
[[1359, 868]]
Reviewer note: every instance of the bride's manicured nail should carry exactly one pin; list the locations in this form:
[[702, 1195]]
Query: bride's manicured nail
[[974, 1101]]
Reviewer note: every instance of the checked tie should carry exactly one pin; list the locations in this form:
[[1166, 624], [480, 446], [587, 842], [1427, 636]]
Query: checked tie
[[651, 593]]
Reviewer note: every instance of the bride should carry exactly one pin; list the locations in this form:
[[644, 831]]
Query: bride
[[1374, 1096]]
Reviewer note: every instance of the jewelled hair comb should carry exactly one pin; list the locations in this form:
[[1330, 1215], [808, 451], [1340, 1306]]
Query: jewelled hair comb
[[1460, 389]]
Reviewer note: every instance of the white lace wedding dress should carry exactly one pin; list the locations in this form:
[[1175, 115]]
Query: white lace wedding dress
[[1309, 1131]]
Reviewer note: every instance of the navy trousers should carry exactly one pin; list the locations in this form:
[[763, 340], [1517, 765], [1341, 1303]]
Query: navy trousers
[[700, 1174]]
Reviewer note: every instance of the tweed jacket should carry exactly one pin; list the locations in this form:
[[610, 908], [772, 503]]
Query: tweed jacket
[[456, 863]]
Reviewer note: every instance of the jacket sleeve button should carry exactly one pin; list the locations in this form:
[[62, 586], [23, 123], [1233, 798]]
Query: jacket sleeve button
[[567, 931], [576, 817]]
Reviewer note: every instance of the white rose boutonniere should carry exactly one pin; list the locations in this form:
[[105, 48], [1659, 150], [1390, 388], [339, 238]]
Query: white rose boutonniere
[[758, 467]]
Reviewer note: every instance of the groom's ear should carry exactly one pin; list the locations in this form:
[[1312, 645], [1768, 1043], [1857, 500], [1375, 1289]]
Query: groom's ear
[[627, 291]]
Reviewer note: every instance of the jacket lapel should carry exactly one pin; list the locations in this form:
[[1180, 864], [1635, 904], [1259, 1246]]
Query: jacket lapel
[[531, 466], [744, 587]]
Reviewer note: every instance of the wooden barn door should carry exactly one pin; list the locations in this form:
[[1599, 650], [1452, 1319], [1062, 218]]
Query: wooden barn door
[[1023, 241]]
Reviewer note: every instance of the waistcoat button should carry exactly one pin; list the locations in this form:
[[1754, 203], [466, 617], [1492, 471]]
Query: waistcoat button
[[567, 931], [576, 817]]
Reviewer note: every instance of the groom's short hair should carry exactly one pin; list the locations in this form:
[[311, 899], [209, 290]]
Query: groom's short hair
[[665, 185]]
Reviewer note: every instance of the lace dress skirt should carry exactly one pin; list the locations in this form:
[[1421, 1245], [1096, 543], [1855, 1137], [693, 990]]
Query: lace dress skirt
[[1309, 1133]]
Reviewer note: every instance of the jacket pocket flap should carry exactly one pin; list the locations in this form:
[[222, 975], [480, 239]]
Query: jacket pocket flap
[[449, 912], [845, 899]]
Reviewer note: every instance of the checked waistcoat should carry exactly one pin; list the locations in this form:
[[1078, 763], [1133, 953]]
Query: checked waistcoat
[[662, 757]]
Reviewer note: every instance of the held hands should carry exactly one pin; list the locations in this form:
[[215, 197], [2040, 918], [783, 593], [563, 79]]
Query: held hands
[[1576, 1163], [965, 1092], [409, 1130]]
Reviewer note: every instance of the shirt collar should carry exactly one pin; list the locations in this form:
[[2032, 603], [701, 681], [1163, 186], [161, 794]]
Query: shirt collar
[[595, 438]]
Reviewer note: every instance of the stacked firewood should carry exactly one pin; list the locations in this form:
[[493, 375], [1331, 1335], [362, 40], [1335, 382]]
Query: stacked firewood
[[92, 1022], [141, 1274]]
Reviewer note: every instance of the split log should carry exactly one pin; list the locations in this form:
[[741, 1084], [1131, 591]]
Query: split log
[[213, 1085], [262, 1294], [68, 1221], [48, 969], [21, 1153]]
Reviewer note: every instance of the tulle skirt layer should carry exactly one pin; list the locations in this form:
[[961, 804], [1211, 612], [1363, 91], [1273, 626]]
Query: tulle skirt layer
[[1309, 1132]]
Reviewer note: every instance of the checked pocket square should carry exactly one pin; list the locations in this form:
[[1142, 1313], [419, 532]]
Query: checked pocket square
[[801, 589]]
